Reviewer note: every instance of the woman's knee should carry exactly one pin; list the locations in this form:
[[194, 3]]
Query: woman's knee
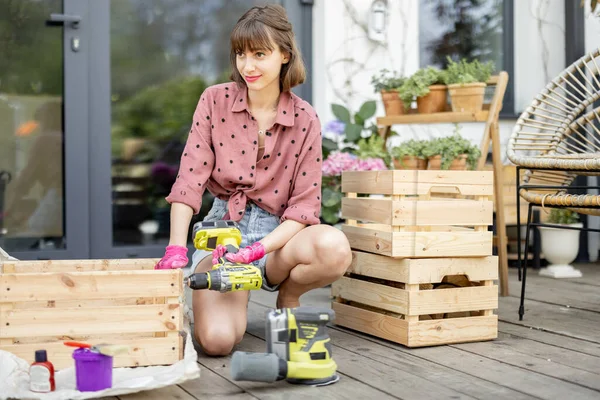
[[333, 249], [215, 340]]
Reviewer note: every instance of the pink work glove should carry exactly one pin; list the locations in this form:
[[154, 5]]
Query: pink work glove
[[248, 254], [175, 257], [217, 253]]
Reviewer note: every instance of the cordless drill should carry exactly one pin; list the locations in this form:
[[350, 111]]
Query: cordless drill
[[225, 276], [298, 350]]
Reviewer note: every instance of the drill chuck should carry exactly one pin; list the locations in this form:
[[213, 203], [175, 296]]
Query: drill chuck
[[204, 280]]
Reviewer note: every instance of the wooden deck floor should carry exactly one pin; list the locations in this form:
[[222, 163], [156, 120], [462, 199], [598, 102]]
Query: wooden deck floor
[[553, 354]]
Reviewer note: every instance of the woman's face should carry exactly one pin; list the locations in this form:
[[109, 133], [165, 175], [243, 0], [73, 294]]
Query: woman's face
[[260, 68]]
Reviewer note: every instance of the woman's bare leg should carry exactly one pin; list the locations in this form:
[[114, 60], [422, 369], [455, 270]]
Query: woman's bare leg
[[315, 257], [219, 318]]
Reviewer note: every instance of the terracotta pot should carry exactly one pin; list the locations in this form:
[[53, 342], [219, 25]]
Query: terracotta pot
[[433, 102], [410, 162], [467, 97], [458, 164], [392, 103]]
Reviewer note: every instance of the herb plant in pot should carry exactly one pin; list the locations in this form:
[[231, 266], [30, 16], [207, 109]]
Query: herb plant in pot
[[427, 85], [388, 83], [560, 246], [451, 153], [409, 155], [466, 84]]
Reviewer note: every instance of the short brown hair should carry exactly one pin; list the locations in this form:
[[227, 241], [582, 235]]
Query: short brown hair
[[258, 29]]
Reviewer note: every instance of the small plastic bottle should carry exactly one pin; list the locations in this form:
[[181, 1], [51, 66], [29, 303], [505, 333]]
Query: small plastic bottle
[[41, 374]]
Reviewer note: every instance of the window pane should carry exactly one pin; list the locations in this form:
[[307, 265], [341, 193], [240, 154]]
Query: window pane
[[31, 127], [460, 28], [163, 54]]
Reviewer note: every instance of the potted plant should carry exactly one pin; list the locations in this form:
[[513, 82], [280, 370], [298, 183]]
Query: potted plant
[[373, 147], [409, 155], [387, 83], [452, 152], [560, 246], [466, 84], [427, 85]]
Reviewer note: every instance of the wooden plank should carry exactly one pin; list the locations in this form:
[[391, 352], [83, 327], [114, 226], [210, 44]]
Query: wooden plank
[[380, 296], [142, 352], [434, 118], [90, 285], [84, 303], [450, 300], [558, 291], [418, 213], [566, 321], [420, 244], [219, 387], [125, 264], [411, 182], [346, 388], [558, 341], [377, 375], [72, 321], [525, 381], [416, 334], [423, 270], [418, 302]]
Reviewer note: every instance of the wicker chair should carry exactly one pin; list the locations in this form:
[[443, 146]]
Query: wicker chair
[[555, 140]]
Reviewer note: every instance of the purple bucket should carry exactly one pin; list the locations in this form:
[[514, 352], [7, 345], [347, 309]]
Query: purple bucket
[[93, 370]]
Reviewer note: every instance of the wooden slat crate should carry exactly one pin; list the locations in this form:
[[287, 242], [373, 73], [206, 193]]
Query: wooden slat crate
[[419, 302], [43, 303], [421, 213], [422, 272]]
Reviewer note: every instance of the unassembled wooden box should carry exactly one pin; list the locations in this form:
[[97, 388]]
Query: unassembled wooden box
[[44, 303], [422, 272]]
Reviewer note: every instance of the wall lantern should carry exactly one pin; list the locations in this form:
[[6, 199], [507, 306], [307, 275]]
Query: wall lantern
[[378, 16]]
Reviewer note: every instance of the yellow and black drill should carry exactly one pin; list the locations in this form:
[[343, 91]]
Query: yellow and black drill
[[298, 349], [225, 275]]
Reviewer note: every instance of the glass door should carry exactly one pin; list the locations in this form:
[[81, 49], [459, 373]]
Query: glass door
[[153, 61], [44, 201]]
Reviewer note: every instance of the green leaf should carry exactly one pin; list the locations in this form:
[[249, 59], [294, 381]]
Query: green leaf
[[331, 198], [329, 144], [341, 113], [358, 119], [330, 216], [367, 110], [352, 132]]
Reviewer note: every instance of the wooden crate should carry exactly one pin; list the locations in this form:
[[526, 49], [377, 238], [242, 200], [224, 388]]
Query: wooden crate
[[43, 303], [419, 213], [396, 299]]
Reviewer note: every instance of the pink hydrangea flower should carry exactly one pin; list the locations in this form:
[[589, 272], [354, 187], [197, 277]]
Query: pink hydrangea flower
[[338, 162]]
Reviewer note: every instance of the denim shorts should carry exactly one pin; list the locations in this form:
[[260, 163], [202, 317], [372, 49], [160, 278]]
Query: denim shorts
[[255, 225]]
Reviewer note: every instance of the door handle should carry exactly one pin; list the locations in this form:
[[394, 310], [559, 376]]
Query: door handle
[[64, 19]]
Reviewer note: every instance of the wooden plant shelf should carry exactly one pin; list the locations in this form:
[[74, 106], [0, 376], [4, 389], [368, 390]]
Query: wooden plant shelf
[[43, 303], [434, 118], [419, 213], [397, 299]]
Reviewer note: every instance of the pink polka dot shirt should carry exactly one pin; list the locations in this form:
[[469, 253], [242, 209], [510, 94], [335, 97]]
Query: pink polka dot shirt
[[222, 155]]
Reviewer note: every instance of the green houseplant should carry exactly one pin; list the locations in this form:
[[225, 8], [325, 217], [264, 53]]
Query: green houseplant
[[466, 83], [427, 86], [561, 246], [409, 155], [388, 83], [373, 147], [451, 152]]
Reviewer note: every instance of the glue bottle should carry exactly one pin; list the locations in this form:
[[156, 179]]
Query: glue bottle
[[41, 374]]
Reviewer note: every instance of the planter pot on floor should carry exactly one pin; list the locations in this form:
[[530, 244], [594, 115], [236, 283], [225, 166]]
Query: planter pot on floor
[[560, 247]]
